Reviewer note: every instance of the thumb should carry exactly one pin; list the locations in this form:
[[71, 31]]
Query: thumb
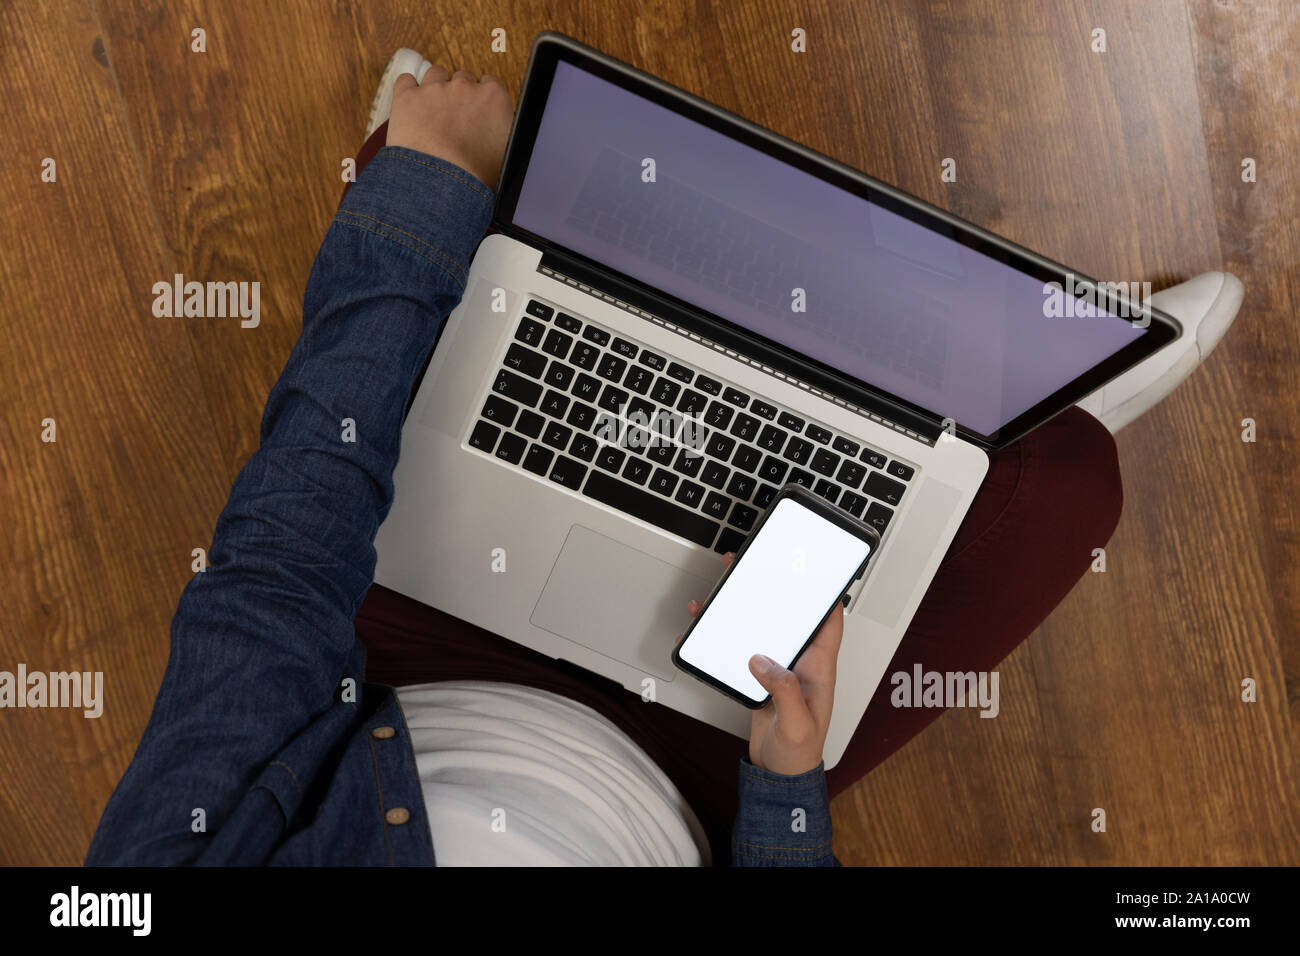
[[783, 685]]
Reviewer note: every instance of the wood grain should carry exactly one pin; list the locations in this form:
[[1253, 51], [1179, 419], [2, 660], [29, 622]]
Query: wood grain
[[225, 166]]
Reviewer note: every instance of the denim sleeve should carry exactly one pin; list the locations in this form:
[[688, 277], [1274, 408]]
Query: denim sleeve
[[782, 820], [260, 640]]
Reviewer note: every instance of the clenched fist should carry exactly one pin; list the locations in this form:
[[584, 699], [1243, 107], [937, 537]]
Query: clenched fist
[[460, 118]]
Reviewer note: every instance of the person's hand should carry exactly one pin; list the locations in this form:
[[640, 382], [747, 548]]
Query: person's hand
[[788, 734], [460, 118]]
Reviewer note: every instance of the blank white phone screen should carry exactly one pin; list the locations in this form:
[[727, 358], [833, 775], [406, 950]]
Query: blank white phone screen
[[792, 573]]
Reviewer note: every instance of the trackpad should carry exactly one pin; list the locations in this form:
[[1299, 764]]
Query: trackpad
[[618, 601]]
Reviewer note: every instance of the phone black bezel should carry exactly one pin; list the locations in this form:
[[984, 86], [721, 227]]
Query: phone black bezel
[[551, 47], [820, 506]]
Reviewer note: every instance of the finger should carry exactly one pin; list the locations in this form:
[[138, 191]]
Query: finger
[[465, 75], [436, 73], [728, 559], [405, 82], [693, 607], [492, 78], [787, 695]]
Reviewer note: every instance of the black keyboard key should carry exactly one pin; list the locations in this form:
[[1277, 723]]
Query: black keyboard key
[[873, 458], [900, 470], [568, 323], [585, 356], [827, 490], [716, 505], [763, 409], [499, 411], [691, 432], [878, 516], [853, 504], [593, 334], [801, 477], [765, 495], [729, 540], [524, 360], [692, 402], [581, 416], [715, 474], [720, 446], [656, 362], [718, 415], [792, 422], [555, 404], [637, 470], [747, 458], [517, 388], [851, 473], [558, 375], [824, 462], [746, 427], [610, 458], [663, 481], [543, 312], [568, 472], [773, 470], [530, 332], [650, 508], [530, 424], [886, 489], [611, 367], [511, 448], [623, 347], [661, 453], [680, 372], [639, 379], [735, 396], [586, 387], [665, 392], [708, 385], [741, 486], [688, 463], [817, 434], [742, 516], [484, 436], [557, 343], [557, 435], [771, 439], [583, 447], [641, 410], [842, 444], [690, 493], [538, 459], [798, 450], [612, 399]]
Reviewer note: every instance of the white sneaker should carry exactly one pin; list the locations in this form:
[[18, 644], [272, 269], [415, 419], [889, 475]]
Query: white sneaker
[[403, 61], [1206, 306]]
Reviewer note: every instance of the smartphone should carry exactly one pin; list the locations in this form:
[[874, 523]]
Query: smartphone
[[782, 587]]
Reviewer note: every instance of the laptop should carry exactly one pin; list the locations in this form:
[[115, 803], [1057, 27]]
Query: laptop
[[677, 313]]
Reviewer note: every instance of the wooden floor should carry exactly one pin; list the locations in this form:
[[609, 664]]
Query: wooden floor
[[1126, 164]]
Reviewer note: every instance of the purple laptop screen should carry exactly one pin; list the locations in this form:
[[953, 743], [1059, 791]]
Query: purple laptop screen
[[685, 209]]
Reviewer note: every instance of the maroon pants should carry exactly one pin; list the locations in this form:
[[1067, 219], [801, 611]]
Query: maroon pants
[[1047, 502]]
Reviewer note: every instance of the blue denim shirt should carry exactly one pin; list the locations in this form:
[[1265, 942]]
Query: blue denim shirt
[[266, 745]]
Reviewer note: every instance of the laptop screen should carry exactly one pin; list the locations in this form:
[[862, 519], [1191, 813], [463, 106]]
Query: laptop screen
[[903, 307]]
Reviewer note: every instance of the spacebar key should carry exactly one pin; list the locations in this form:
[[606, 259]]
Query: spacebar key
[[651, 508]]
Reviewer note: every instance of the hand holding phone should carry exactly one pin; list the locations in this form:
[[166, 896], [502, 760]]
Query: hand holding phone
[[780, 597], [789, 736]]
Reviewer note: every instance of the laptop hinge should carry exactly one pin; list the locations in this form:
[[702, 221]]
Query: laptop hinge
[[771, 361]]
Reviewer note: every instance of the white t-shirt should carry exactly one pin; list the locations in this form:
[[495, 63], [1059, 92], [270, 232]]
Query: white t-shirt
[[516, 776]]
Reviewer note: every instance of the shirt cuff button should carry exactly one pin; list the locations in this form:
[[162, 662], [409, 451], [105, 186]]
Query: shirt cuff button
[[397, 815]]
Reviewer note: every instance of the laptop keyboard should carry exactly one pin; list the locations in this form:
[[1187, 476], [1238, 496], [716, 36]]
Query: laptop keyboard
[[661, 441]]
